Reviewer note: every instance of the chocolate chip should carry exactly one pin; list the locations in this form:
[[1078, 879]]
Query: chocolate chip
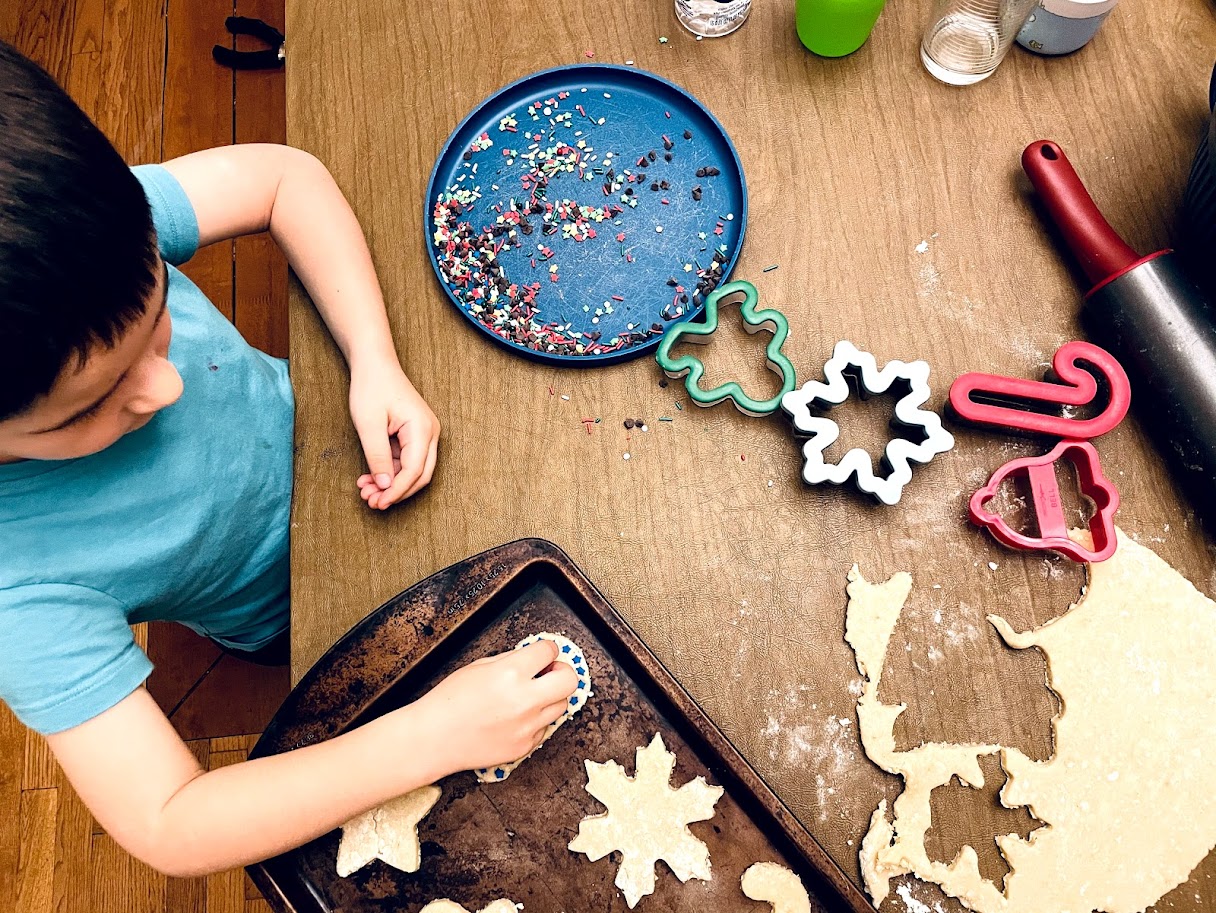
[[700, 172], [662, 380], [687, 134], [467, 156], [654, 186], [667, 156], [664, 185], [696, 194], [652, 155], [629, 423]]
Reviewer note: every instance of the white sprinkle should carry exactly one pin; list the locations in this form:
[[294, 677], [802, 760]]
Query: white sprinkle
[[606, 95], [624, 456], [645, 428], [992, 565], [628, 63], [659, 229], [565, 396], [730, 217], [922, 247], [770, 483]]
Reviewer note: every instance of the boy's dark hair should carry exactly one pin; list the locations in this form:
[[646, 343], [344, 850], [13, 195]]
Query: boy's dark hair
[[77, 249]]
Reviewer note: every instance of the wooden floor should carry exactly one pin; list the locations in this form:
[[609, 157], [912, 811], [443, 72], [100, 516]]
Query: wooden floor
[[142, 69]]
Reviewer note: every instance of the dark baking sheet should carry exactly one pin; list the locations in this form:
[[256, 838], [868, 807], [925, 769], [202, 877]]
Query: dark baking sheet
[[485, 841]]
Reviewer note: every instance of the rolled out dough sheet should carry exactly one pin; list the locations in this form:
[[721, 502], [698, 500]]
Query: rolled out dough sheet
[[1126, 799]]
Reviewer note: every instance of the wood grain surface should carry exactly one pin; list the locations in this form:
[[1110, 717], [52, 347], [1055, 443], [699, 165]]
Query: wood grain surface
[[705, 539]]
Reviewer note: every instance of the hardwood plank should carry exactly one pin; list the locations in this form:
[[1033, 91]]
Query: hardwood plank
[[73, 884], [198, 115], [121, 883], [35, 875], [257, 905], [42, 30], [12, 750], [40, 769], [261, 268], [85, 73], [132, 77]]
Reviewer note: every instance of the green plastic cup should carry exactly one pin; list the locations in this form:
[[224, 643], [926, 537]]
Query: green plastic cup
[[834, 28]]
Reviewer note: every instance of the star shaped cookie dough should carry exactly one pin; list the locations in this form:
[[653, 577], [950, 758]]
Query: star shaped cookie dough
[[646, 820], [388, 833]]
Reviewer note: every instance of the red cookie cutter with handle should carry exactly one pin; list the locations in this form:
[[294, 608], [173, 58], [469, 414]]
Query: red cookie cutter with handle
[[1048, 507], [986, 398]]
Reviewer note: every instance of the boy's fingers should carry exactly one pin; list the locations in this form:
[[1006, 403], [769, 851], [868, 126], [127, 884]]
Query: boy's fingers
[[413, 459], [556, 685], [533, 658], [428, 470], [373, 436]]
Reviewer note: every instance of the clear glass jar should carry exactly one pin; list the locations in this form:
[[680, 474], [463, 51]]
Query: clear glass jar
[[712, 18], [967, 39]]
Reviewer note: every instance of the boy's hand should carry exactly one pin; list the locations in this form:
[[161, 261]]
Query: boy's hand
[[398, 431], [496, 709]]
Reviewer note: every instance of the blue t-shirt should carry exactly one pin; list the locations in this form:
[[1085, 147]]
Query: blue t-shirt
[[184, 520]]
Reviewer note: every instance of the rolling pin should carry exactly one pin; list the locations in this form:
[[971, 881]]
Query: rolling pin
[[1154, 319]]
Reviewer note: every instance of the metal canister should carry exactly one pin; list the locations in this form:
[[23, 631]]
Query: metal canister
[[1063, 26]]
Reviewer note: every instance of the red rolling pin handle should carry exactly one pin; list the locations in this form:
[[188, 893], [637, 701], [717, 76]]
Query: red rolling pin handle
[[1097, 246]]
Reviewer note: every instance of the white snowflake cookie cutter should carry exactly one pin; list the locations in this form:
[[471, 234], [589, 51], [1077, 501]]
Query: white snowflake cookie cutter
[[899, 454]]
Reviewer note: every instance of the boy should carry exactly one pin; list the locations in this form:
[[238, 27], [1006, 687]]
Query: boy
[[145, 473]]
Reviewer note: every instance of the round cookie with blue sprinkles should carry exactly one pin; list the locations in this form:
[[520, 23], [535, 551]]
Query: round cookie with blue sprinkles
[[569, 653]]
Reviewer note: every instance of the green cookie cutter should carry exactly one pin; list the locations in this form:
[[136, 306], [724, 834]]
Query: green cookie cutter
[[700, 332]]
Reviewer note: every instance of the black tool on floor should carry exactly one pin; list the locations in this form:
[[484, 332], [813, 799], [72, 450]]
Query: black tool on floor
[[1152, 317], [270, 58]]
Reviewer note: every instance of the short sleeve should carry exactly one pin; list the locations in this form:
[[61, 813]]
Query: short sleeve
[[172, 213], [67, 655]]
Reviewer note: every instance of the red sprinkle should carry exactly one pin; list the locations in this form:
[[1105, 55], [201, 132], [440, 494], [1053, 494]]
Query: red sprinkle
[[617, 298], [621, 236], [743, 457]]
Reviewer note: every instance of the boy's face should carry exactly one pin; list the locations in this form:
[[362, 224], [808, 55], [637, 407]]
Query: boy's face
[[115, 391]]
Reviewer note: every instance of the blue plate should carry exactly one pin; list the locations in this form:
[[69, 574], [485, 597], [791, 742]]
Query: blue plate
[[548, 239]]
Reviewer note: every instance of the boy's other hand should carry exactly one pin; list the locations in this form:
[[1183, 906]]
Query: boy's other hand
[[398, 431], [496, 709]]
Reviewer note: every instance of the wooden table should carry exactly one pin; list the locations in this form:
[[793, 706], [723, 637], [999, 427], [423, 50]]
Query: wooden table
[[705, 539]]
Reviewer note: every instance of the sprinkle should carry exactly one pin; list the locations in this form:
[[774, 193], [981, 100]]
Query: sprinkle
[[565, 396], [665, 418], [679, 407], [590, 54], [769, 269], [700, 37], [628, 63], [607, 95], [624, 456], [618, 298], [743, 458], [662, 39], [629, 423], [550, 389], [659, 229]]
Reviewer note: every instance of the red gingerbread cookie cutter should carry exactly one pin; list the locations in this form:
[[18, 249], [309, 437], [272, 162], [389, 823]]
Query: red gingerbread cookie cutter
[[1048, 507]]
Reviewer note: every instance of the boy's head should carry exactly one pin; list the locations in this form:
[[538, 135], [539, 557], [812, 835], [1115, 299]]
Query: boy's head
[[84, 337]]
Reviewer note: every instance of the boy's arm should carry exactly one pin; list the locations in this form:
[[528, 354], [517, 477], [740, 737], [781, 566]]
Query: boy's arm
[[146, 789], [239, 190]]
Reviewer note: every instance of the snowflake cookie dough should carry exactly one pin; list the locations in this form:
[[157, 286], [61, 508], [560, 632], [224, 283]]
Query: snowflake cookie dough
[[1125, 800], [776, 885], [388, 833], [502, 905], [646, 820], [572, 656]]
